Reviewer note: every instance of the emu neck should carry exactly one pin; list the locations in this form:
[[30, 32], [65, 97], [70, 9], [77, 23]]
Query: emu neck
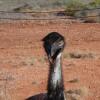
[[56, 75], [55, 82]]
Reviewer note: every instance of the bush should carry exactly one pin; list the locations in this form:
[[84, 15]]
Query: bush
[[73, 5], [93, 4]]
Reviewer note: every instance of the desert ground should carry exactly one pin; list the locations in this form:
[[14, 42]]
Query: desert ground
[[24, 65]]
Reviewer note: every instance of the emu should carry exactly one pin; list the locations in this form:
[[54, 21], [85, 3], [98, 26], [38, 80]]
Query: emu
[[54, 44]]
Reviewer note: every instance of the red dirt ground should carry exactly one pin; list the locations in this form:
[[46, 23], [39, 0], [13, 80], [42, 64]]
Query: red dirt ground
[[24, 66]]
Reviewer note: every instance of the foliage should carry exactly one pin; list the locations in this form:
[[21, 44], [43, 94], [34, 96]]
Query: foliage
[[93, 4], [73, 5]]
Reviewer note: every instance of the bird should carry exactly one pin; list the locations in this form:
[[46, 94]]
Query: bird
[[54, 44]]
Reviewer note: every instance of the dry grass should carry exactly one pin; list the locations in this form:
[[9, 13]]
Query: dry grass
[[77, 94], [74, 80], [82, 55]]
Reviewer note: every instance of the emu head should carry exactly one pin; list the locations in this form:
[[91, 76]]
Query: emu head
[[54, 44]]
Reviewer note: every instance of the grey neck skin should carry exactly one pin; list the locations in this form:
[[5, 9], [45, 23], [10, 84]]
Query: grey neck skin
[[55, 82]]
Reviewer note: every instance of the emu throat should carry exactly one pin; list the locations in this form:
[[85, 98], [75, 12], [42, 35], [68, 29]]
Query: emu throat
[[55, 84], [56, 74]]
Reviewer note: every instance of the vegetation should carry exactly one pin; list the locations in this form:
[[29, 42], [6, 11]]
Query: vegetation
[[73, 5], [93, 4]]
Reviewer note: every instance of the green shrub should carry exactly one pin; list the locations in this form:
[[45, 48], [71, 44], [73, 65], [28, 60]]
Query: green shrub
[[93, 4], [73, 5]]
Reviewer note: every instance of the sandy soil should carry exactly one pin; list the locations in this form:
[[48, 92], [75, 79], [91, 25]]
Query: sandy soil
[[24, 65]]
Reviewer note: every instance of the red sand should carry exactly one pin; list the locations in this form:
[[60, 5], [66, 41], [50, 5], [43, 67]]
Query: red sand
[[23, 64]]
